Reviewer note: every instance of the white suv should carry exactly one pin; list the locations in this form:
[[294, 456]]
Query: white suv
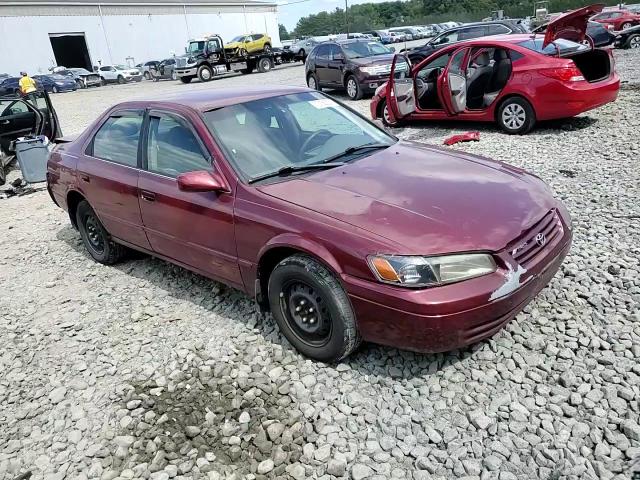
[[119, 73]]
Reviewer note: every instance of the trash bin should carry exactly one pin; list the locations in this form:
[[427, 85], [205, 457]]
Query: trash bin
[[32, 155]]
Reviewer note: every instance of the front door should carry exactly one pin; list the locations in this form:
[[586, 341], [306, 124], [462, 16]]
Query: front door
[[321, 62], [400, 92], [108, 176], [193, 228], [17, 119], [452, 83]]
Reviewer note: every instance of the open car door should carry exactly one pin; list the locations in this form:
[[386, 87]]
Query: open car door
[[452, 83], [571, 25], [400, 92], [18, 118]]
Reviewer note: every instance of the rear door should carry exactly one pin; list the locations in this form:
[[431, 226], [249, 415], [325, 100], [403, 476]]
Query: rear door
[[194, 228], [51, 127], [17, 119], [452, 84], [322, 64], [400, 91], [108, 175], [335, 64]]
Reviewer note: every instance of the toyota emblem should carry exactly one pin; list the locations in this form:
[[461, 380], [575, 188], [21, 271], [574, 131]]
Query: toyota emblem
[[541, 239]]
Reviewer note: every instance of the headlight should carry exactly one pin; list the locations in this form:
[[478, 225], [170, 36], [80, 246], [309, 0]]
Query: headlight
[[414, 271]]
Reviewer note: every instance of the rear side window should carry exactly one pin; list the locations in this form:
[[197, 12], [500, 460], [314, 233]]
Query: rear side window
[[498, 29], [173, 148], [472, 32], [117, 140], [456, 65]]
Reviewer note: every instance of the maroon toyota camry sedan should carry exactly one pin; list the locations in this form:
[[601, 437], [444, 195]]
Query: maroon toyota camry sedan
[[343, 232]]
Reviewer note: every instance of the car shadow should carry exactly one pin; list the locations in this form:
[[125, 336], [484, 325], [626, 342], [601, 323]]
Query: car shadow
[[370, 359]]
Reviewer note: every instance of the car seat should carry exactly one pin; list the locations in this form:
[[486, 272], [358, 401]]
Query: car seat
[[478, 81], [500, 76]]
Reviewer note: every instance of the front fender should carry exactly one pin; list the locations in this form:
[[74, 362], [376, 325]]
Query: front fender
[[304, 244]]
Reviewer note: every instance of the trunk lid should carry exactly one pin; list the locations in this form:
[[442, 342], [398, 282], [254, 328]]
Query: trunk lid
[[571, 25]]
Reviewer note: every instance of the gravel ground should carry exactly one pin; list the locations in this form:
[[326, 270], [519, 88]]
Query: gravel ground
[[145, 370]]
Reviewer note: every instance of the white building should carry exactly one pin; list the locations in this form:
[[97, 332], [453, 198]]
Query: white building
[[36, 35]]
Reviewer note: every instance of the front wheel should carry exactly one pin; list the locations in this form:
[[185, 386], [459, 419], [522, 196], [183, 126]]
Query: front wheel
[[634, 41], [205, 73], [54, 89], [96, 239], [103, 82], [121, 79], [516, 116], [312, 309], [354, 91], [302, 54], [267, 47], [147, 76], [186, 79], [174, 76]]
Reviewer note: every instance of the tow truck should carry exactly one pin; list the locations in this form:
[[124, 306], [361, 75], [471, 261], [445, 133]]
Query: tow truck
[[206, 58]]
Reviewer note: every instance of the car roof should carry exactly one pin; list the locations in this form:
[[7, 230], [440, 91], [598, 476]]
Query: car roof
[[206, 100]]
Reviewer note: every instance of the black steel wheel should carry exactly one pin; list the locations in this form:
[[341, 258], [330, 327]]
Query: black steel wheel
[[205, 73], [95, 237], [312, 309]]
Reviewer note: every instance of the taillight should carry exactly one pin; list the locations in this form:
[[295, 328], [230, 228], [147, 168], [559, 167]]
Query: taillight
[[569, 73]]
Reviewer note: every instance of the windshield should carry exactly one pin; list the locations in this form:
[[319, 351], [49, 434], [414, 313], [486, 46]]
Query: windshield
[[239, 38], [364, 49], [121, 67], [290, 131], [196, 47], [559, 46]]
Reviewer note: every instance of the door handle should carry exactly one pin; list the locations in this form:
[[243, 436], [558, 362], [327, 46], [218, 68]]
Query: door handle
[[85, 178], [4, 122], [147, 195]]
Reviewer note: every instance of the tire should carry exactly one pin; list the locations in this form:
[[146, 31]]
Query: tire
[[625, 25], [312, 82], [147, 76], [242, 52], [186, 79], [54, 89], [174, 75], [384, 114], [516, 116], [247, 71], [121, 79], [95, 237], [205, 74], [103, 82], [633, 41], [267, 47], [3, 175], [264, 65], [354, 90], [303, 280], [303, 55]]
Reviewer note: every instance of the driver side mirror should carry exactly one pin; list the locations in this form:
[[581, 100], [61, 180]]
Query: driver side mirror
[[202, 181]]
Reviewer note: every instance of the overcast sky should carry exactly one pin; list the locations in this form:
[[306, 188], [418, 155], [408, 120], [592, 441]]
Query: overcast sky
[[289, 15]]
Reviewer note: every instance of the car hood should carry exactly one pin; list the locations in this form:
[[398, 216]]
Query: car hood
[[572, 25], [425, 199], [373, 60]]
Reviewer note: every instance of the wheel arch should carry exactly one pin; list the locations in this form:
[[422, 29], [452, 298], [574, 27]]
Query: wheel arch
[[285, 246], [74, 198], [346, 75]]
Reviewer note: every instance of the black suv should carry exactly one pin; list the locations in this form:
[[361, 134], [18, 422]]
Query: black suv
[[465, 32], [358, 66]]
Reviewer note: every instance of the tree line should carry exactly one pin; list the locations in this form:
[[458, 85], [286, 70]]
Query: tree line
[[373, 16]]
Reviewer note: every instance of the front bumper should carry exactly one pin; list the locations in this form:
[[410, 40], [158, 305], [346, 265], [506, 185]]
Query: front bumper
[[133, 78], [448, 317], [187, 71], [369, 83]]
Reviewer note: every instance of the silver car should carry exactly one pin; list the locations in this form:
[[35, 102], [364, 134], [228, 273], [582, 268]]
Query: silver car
[[302, 48]]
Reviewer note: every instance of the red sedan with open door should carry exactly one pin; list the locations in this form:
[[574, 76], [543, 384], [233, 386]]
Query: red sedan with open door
[[515, 80]]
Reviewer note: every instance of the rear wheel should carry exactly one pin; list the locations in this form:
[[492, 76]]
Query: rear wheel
[[354, 91], [205, 73], [516, 116], [312, 82], [186, 79], [384, 114], [147, 76], [121, 79], [634, 41], [174, 75], [302, 54], [312, 309], [267, 47], [626, 25], [264, 65], [95, 238]]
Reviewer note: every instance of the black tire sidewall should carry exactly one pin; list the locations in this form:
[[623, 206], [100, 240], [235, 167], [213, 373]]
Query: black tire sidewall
[[315, 78], [384, 104], [333, 297], [530, 119], [358, 95], [203, 68], [83, 212], [264, 65]]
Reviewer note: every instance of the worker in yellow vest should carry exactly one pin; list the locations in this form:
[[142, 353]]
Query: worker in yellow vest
[[27, 84]]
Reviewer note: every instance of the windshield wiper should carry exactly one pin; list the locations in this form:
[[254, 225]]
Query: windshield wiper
[[351, 150], [289, 169]]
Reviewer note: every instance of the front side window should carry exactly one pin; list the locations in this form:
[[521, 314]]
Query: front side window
[[456, 66], [289, 130], [173, 148], [12, 107], [196, 47], [498, 29], [257, 37], [446, 38], [213, 45], [117, 140], [322, 52]]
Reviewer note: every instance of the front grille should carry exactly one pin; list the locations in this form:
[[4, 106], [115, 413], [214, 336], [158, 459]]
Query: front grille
[[181, 62], [93, 77], [541, 237]]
